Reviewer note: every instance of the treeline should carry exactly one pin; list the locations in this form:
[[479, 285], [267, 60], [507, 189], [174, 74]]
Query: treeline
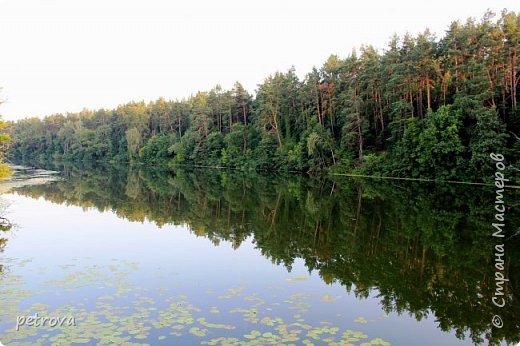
[[425, 249], [425, 107]]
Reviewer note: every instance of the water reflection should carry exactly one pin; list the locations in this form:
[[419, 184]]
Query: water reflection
[[5, 226], [426, 249]]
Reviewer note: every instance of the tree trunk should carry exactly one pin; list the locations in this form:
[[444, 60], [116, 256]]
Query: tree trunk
[[275, 116], [428, 94]]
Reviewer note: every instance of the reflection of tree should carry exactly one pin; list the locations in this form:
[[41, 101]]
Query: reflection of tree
[[3, 242], [5, 226], [423, 249]]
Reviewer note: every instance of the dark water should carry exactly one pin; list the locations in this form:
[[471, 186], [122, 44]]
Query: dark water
[[142, 255]]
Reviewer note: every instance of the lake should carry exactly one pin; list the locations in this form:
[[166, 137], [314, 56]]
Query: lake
[[140, 255]]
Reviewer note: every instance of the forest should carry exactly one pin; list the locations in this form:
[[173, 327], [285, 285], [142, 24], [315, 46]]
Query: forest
[[424, 107]]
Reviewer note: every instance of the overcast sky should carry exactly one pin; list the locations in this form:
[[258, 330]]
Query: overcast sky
[[63, 55]]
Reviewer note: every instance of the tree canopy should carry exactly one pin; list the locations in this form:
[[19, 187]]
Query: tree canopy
[[425, 107]]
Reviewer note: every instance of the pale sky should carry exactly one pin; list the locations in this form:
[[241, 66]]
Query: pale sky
[[64, 55]]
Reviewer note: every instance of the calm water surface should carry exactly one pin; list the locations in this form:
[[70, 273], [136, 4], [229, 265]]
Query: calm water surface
[[147, 256]]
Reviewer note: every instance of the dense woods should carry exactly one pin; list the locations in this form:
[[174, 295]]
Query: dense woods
[[5, 141], [424, 107]]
